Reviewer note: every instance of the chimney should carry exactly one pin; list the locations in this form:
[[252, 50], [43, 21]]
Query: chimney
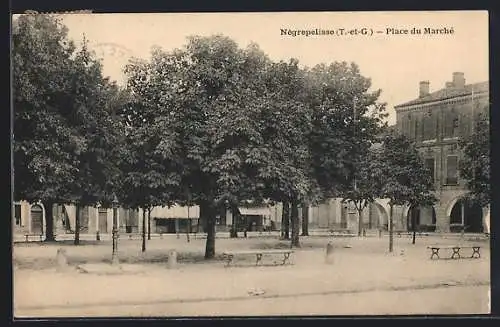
[[449, 85], [458, 80], [424, 88]]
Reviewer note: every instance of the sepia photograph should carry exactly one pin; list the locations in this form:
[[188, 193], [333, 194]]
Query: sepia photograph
[[250, 164]]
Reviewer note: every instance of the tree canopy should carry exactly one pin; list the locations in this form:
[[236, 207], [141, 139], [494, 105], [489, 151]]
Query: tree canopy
[[65, 139], [475, 164], [211, 124]]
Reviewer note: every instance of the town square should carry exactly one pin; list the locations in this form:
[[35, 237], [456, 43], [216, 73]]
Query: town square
[[181, 165]]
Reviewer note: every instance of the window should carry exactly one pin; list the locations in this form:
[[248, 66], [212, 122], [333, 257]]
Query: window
[[429, 164], [17, 214], [416, 130], [451, 124], [429, 127], [452, 170]]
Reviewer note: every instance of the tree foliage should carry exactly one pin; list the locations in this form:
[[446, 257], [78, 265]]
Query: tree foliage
[[475, 164], [64, 135], [401, 176]]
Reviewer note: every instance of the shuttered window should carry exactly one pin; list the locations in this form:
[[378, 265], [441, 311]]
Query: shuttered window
[[429, 164], [452, 170], [429, 127]]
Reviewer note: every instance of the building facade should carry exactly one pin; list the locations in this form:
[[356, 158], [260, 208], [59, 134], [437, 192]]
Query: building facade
[[30, 219], [435, 122]]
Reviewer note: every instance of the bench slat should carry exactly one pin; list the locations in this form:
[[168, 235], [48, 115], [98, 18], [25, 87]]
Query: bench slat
[[258, 252]]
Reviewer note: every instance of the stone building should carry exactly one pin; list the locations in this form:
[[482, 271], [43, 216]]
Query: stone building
[[436, 121], [30, 219]]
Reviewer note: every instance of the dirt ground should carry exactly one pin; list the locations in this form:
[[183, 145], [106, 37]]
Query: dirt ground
[[360, 266]]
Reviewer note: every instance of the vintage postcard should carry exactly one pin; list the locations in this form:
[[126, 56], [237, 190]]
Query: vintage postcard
[[250, 164]]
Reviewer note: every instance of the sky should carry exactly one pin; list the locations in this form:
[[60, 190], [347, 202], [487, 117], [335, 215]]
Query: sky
[[395, 62]]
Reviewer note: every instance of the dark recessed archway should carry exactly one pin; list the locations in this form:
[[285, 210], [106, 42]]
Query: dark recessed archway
[[466, 215]]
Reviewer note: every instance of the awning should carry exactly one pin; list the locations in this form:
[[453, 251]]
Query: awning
[[176, 211], [259, 211]]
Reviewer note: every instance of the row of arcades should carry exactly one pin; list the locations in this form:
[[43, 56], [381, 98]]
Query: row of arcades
[[455, 216]]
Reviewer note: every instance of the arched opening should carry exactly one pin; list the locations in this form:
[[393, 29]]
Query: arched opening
[[467, 216], [36, 213], [379, 216], [421, 218]]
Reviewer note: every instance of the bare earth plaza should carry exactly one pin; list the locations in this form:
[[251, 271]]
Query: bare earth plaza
[[277, 172]]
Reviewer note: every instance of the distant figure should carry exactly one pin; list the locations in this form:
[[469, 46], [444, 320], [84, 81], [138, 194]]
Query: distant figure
[[329, 253]]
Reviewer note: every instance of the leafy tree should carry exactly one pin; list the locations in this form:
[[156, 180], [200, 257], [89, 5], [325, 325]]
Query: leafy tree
[[475, 164], [286, 122], [204, 101], [63, 131], [151, 165], [347, 118], [364, 190], [93, 115], [43, 140], [400, 175]]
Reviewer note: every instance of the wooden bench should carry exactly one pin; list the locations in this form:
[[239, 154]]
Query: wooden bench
[[229, 255], [399, 233], [27, 236], [456, 251]]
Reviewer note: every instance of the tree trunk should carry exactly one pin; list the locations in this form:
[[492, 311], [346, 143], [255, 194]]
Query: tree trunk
[[413, 223], [149, 224], [49, 218], [144, 230], [360, 222], [305, 220], [236, 218], [391, 236], [210, 223], [285, 221], [295, 224], [77, 225]]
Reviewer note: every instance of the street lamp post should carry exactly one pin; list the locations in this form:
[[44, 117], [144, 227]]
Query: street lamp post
[[114, 257]]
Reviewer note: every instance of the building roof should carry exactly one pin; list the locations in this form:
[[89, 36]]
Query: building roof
[[447, 93]]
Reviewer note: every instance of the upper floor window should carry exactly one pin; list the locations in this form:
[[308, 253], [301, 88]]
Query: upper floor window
[[416, 130], [429, 127], [452, 170], [451, 124]]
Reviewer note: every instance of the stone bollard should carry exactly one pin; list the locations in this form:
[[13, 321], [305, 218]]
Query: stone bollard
[[380, 232], [62, 259], [329, 253], [172, 259]]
